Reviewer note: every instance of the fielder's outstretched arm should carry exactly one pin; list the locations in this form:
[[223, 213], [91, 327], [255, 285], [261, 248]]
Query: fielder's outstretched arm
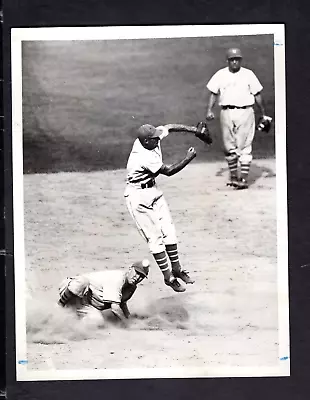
[[180, 128]]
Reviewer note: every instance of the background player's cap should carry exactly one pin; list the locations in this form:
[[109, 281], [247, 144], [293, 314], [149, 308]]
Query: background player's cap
[[148, 131], [142, 267], [233, 53]]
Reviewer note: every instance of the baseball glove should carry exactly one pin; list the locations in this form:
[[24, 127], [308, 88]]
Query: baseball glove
[[264, 124], [203, 133]]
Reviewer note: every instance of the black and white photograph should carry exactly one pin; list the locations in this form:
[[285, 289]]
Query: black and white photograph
[[150, 202]]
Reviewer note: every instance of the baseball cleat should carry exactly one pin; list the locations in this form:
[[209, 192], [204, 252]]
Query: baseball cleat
[[242, 184], [175, 285], [233, 182], [183, 275]]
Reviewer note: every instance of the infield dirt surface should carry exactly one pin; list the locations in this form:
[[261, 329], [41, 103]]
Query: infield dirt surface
[[227, 240]]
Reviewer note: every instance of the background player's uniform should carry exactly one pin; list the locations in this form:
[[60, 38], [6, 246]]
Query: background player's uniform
[[144, 200], [236, 91]]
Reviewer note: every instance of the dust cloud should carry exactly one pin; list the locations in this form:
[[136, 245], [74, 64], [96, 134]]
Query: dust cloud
[[48, 323]]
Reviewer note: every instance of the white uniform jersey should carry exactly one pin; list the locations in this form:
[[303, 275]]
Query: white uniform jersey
[[106, 286], [235, 89], [147, 205], [143, 164]]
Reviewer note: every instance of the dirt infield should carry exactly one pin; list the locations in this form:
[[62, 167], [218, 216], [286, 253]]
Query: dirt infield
[[78, 222]]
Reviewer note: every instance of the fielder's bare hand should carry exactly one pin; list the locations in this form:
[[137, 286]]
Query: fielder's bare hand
[[191, 153], [210, 115]]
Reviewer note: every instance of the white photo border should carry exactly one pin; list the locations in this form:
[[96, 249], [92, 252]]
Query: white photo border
[[19, 35]]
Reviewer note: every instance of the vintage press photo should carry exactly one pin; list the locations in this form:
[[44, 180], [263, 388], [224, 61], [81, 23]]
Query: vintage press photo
[[80, 97]]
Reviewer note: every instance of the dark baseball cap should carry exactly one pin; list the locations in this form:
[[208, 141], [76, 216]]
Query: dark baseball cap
[[142, 267], [148, 131], [233, 52]]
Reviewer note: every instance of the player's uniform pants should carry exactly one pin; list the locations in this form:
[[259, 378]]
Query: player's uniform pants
[[79, 286], [238, 129], [151, 214]]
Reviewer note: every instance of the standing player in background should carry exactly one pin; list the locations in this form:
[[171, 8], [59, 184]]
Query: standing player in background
[[146, 203], [237, 89]]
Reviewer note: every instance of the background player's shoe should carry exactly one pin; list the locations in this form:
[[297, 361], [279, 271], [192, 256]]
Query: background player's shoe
[[175, 285], [183, 275], [233, 182], [242, 184]]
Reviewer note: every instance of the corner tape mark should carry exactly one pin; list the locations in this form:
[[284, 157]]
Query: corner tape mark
[[284, 358], [22, 362]]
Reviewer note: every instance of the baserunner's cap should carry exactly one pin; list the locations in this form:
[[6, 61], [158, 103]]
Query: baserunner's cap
[[142, 267], [148, 131], [233, 53]]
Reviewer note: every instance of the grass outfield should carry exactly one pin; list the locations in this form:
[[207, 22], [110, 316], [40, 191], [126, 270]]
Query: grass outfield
[[82, 101]]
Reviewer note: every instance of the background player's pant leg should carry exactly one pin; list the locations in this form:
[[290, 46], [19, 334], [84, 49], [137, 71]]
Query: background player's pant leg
[[232, 161], [147, 222], [245, 131], [245, 135], [228, 132], [229, 143]]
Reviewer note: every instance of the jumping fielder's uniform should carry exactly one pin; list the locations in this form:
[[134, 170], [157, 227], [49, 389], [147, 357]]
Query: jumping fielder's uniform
[[236, 92], [144, 200], [147, 205]]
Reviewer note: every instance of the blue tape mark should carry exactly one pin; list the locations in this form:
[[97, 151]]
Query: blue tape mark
[[22, 362], [283, 358], [277, 44]]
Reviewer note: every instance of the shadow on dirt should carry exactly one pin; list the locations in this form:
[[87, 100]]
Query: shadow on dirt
[[164, 313], [256, 172]]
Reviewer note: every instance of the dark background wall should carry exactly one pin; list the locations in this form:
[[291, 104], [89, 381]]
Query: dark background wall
[[83, 100], [295, 15]]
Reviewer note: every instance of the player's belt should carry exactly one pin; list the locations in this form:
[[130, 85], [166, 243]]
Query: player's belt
[[229, 107], [145, 185], [148, 184]]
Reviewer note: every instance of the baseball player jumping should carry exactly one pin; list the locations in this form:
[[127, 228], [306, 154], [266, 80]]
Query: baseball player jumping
[[146, 203], [103, 290], [237, 89]]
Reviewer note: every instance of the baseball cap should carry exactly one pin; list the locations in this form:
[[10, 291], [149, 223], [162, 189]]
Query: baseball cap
[[142, 267], [233, 53], [148, 131]]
